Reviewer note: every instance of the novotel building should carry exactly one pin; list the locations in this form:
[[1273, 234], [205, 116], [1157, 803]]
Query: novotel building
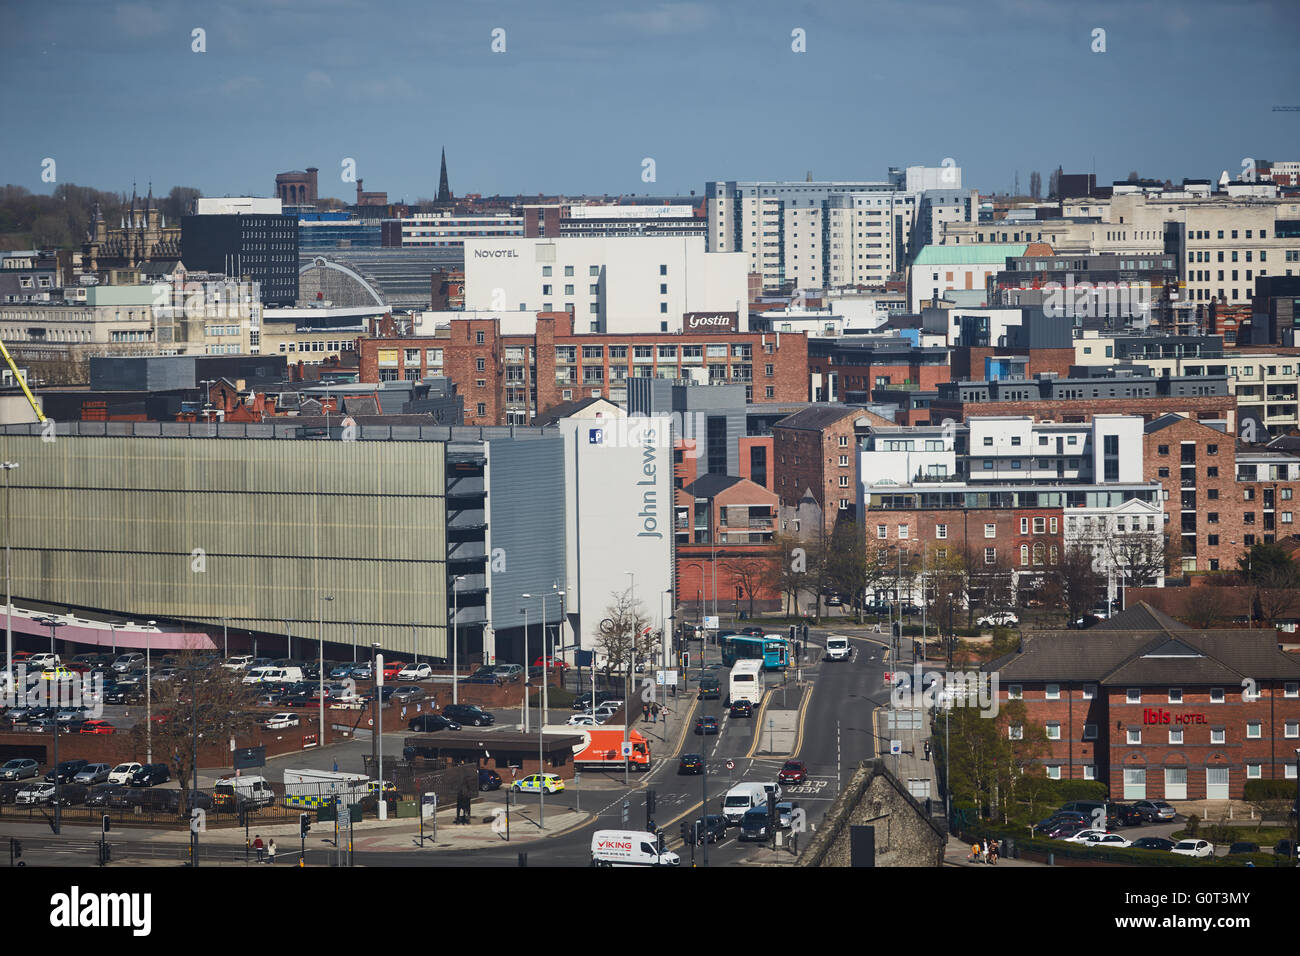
[[1159, 710], [625, 284]]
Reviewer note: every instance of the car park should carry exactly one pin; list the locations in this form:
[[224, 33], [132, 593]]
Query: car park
[[36, 793], [792, 771], [123, 772], [488, 779], [538, 783], [1194, 848], [690, 764], [66, 770], [429, 723], [20, 768], [420, 671], [93, 773], [706, 725], [470, 714], [1153, 843]]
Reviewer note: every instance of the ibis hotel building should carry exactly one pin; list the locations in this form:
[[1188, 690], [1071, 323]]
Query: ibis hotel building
[[1159, 710]]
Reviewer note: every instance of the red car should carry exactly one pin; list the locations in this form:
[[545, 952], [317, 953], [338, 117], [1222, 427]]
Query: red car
[[392, 669], [78, 667], [98, 727], [794, 771], [552, 664]]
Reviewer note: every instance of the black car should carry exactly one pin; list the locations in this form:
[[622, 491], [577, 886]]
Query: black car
[[67, 769], [1126, 814], [1243, 847], [742, 708], [690, 763], [754, 825], [108, 796], [151, 774], [484, 675], [73, 794], [468, 714], [1284, 848], [713, 827], [710, 689], [488, 779], [706, 725], [427, 723], [160, 801], [1153, 843]]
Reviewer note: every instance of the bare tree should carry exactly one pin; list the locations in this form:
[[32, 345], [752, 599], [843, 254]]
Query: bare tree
[[625, 635], [1137, 556], [748, 573], [1077, 581], [1202, 607]]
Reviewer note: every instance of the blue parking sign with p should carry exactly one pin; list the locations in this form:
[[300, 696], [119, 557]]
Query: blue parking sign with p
[[595, 436]]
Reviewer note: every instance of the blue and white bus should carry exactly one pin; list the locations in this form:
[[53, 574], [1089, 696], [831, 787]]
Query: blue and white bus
[[773, 651]]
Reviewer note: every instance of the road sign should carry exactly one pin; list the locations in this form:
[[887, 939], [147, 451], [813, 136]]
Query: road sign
[[627, 748], [666, 678], [246, 758], [895, 746], [731, 765], [710, 622]]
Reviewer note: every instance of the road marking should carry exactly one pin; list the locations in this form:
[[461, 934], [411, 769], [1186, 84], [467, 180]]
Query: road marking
[[803, 713], [758, 724]]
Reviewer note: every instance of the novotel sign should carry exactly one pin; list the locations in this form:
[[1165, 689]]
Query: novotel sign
[[496, 254], [712, 321]]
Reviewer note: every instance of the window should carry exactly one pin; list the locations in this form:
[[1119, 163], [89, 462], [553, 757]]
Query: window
[[990, 531], [482, 408], [1254, 730], [1216, 695], [1089, 731], [1052, 692], [1175, 695], [1162, 449], [990, 555], [593, 270], [1017, 731], [1134, 736], [1024, 526], [1089, 772], [941, 531], [902, 528], [568, 270], [1015, 692], [1291, 689], [1053, 730], [1254, 771], [1175, 736], [478, 367], [1040, 525], [1291, 728], [1053, 771], [1133, 695], [1089, 691], [1217, 735]]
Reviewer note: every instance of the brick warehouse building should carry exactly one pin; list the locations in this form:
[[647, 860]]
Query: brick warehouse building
[[512, 379], [1158, 710]]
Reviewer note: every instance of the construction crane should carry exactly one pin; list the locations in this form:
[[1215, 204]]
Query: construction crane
[[40, 416]]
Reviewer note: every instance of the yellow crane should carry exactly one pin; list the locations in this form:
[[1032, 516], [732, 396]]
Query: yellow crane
[[22, 383]]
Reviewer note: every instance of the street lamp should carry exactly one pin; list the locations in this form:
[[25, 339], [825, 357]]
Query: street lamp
[[524, 611], [379, 724], [55, 684], [148, 690], [627, 672], [320, 674], [8, 466], [455, 633]]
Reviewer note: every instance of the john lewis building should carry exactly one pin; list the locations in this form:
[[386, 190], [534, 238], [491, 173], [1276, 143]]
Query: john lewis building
[[1159, 710]]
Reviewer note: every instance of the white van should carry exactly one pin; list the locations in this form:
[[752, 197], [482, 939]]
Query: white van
[[837, 648], [742, 798], [238, 663], [629, 848], [254, 790], [274, 675]]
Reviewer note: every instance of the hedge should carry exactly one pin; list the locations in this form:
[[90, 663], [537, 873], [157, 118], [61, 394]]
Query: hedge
[[1063, 850], [1269, 790]]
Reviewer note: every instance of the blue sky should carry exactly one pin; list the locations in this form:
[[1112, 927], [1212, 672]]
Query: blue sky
[[585, 91]]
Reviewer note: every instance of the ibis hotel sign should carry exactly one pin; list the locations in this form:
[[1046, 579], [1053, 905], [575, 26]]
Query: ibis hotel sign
[[1160, 716], [711, 322]]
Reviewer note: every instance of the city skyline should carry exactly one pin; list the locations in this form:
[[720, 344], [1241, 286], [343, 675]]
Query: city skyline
[[580, 101]]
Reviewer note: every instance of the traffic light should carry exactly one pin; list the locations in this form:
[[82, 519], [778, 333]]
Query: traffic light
[[106, 824], [304, 825], [649, 810], [686, 832], [771, 811]]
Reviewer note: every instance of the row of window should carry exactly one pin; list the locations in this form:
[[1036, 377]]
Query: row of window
[[1133, 735], [1133, 695]]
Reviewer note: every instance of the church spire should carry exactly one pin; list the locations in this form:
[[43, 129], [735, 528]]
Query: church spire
[[444, 192]]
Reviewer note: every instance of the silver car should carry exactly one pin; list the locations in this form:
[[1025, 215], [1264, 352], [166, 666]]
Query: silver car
[[20, 768], [93, 773]]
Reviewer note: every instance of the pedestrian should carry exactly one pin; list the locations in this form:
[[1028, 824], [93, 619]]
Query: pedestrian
[[336, 766], [645, 713], [654, 713], [974, 853], [259, 847], [993, 852], [986, 849], [270, 851]]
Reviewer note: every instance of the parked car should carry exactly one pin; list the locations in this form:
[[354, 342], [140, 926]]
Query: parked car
[[1062, 829], [392, 669], [123, 773], [998, 619], [238, 663], [1154, 811], [1062, 816], [1106, 840], [1082, 835], [110, 795], [429, 723], [150, 775], [73, 794], [470, 714], [405, 695], [66, 770], [537, 783], [1284, 848], [36, 793], [281, 721], [484, 675], [128, 662], [41, 661], [361, 671], [606, 711], [792, 771], [583, 701], [706, 725], [1196, 848], [420, 671], [582, 720], [1153, 843], [1243, 847], [488, 779], [20, 768], [509, 672], [690, 764], [93, 773], [552, 663]]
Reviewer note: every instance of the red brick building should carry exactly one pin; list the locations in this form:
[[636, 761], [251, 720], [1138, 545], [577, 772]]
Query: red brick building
[[512, 379], [1197, 407], [724, 529], [1158, 710]]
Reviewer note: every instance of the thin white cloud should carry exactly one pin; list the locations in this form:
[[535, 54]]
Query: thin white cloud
[[665, 19], [139, 19], [317, 81]]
